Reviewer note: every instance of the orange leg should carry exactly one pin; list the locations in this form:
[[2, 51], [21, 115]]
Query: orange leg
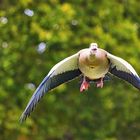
[[100, 83], [85, 85]]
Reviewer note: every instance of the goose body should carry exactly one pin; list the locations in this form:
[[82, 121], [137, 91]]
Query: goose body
[[93, 64], [93, 67]]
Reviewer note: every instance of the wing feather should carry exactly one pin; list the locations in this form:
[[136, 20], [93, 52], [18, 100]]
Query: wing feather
[[122, 69], [62, 72]]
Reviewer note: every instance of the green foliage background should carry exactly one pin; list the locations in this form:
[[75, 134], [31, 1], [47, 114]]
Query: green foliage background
[[111, 113]]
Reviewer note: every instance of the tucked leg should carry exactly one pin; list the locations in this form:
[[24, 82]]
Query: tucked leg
[[85, 84], [100, 83]]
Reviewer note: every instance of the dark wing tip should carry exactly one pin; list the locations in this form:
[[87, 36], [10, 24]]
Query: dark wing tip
[[40, 91], [23, 118], [26, 113], [30, 107]]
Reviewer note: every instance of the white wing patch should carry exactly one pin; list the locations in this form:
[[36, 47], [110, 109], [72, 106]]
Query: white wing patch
[[121, 64], [68, 64]]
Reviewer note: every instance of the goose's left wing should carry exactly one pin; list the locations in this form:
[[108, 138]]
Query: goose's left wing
[[122, 69], [62, 72]]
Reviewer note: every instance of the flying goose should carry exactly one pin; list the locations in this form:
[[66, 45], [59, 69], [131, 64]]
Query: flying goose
[[93, 64]]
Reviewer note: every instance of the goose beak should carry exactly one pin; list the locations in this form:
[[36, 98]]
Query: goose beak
[[93, 48]]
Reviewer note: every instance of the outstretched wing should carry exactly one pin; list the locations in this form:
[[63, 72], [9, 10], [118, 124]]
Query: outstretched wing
[[62, 72], [122, 69]]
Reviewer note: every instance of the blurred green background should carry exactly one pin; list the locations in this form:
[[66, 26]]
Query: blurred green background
[[35, 35]]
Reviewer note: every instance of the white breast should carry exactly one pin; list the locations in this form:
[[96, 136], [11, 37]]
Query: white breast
[[93, 73]]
